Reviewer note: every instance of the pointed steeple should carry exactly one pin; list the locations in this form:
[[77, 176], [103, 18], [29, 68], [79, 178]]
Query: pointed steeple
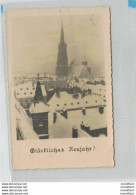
[[62, 34], [62, 59], [38, 92]]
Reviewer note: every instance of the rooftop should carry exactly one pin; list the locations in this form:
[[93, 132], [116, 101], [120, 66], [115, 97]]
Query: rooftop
[[66, 101], [39, 108], [27, 90]]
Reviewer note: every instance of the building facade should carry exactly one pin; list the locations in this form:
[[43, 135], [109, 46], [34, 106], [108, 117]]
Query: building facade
[[39, 112]]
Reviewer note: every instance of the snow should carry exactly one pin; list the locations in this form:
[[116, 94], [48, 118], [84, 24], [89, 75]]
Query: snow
[[63, 129], [58, 103], [43, 91], [38, 108], [66, 101], [24, 123], [25, 90], [92, 118]]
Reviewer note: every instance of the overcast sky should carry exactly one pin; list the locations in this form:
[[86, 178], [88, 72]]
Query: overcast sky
[[33, 38]]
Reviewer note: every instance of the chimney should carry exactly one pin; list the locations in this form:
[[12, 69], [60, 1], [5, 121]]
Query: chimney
[[82, 126], [84, 111], [89, 92], [87, 127], [54, 117], [58, 92], [101, 109], [74, 132]]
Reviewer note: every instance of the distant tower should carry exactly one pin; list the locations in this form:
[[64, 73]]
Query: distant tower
[[62, 59], [39, 111], [86, 70]]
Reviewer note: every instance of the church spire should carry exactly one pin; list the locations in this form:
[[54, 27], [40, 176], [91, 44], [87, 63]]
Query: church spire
[[38, 92], [62, 59], [62, 34]]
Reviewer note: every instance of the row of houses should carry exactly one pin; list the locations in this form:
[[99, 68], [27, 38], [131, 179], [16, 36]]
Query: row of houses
[[63, 115]]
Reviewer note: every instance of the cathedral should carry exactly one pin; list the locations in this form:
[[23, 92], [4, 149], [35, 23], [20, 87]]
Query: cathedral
[[62, 68], [62, 59]]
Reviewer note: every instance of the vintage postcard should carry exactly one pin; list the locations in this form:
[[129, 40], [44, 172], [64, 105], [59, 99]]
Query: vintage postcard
[[60, 88]]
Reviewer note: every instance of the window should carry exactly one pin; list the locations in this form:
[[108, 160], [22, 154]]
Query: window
[[71, 103], [20, 88], [86, 102], [31, 93], [40, 124], [25, 93], [58, 105], [77, 102], [17, 93], [65, 104], [27, 88]]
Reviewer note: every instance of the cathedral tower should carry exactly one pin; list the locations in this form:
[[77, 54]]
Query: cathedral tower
[[62, 59]]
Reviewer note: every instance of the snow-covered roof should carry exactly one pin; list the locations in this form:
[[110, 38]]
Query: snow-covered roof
[[66, 101], [82, 133], [63, 129], [43, 91], [92, 118], [27, 90], [58, 103], [39, 108]]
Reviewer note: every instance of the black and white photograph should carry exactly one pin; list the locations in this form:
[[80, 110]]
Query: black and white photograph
[[59, 73], [59, 77]]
